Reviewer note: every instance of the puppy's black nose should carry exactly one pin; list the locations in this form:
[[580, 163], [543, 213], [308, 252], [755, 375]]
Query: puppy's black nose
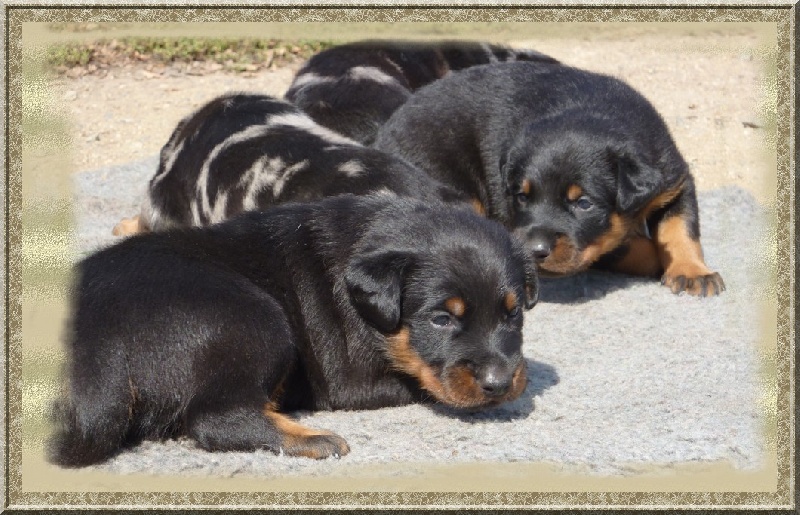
[[495, 380], [541, 243], [541, 249]]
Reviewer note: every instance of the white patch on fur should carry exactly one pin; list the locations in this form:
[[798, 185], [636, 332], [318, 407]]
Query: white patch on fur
[[152, 217], [196, 215], [288, 174], [168, 158], [228, 101], [371, 73], [267, 172], [264, 173], [252, 132], [220, 204], [302, 122], [489, 54], [310, 79], [352, 168]]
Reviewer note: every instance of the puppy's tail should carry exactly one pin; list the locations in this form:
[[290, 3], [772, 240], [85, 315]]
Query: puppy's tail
[[76, 444]]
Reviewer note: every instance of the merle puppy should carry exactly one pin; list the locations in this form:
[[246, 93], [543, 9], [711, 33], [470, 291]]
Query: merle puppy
[[347, 303], [243, 152], [578, 165], [354, 88]]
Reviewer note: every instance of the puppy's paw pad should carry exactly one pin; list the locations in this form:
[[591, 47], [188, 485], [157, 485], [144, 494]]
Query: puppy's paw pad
[[319, 446], [703, 285]]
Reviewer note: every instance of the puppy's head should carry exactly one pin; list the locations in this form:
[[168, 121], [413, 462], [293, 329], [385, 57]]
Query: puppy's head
[[576, 194], [448, 288]]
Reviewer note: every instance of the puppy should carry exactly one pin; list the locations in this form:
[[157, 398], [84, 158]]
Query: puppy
[[352, 302], [242, 152], [354, 88], [578, 165]]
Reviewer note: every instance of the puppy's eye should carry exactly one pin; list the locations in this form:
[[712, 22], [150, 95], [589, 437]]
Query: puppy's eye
[[514, 312], [521, 197], [442, 321], [583, 203]]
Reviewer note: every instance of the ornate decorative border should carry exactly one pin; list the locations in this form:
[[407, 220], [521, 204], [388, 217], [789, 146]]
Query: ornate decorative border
[[781, 15]]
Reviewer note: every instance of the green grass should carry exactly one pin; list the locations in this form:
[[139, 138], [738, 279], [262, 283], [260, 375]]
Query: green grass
[[226, 51]]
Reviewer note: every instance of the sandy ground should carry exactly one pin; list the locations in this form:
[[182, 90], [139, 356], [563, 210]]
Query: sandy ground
[[709, 87]]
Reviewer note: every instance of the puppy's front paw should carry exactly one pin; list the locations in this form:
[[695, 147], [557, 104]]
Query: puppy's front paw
[[317, 446], [701, 283]]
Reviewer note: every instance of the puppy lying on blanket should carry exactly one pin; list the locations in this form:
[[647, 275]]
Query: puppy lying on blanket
[[347, 303], [579, 165], [244, 152], [354, 88]]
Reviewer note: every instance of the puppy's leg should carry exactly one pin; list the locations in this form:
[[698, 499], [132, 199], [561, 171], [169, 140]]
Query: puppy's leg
[[244, 375], [639, 257], [248, 426], [677, 239]]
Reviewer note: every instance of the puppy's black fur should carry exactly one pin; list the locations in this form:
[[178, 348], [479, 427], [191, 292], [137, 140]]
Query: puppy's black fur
[[579, 165], [242, 152], [348, 303], [354, 88]]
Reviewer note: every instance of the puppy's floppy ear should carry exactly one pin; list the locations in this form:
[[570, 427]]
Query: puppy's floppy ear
[[531, 284], [637, 182], [375, 282]]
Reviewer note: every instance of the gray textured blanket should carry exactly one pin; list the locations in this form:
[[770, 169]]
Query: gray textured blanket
[[621, 372]]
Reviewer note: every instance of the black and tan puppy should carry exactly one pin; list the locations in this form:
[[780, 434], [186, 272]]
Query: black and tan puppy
[[354, 88], [578, 165], [347, 303], [243, 152]]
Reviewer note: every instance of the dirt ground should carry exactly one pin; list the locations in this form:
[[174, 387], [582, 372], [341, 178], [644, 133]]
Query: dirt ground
[[711, 87]]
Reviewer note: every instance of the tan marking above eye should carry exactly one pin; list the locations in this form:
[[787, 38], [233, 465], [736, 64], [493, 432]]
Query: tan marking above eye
[[510, 301], [456, 306], [574, 192], [525, 187]]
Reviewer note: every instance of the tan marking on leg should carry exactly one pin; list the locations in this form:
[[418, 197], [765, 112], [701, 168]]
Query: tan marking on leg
[[574, 192], [456, 306], [682, 259], [298, 440], [477, 205], [510, 301], [129, 226], [641, 259]]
